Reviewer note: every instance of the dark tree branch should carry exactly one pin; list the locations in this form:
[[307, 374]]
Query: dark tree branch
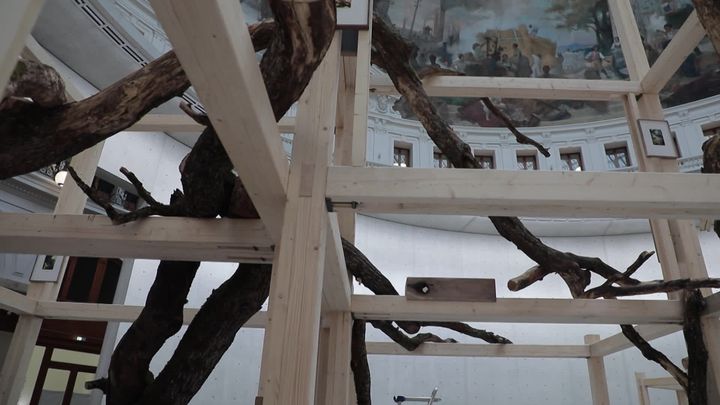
[[139, 187], [697, 351], [368, 275], [359, 363], [651, 287], [468, 330], [118, 217], [519, 136], [653, 355], [209, 335], [160, 319], [409, 343], [35, 136]]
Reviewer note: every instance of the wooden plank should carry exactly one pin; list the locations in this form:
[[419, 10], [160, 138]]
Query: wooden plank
[[213, 44], [17, 19], [643, 394], [17, 303], [668, 383], [338, 374], [526, 193], [517, 87], [336, 283], [166, 238], [633, 50], [520, 310], [450, 289], [598, 378], [183, 123], [618, 342], [117, 313], [289, 364], [361, 99], [682, 44], [481, 350]]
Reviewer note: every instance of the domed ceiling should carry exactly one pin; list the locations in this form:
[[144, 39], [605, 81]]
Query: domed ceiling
[[573, 39]]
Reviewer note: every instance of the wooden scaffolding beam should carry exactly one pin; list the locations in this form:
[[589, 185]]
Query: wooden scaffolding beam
[[522, 310], [517, 87], [526, 193], [166, 238], [214, 46]]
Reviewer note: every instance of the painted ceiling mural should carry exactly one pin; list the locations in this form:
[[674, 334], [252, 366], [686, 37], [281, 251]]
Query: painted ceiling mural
[[540, 38]]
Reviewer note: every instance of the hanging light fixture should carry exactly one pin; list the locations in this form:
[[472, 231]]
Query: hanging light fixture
[[59, 171]]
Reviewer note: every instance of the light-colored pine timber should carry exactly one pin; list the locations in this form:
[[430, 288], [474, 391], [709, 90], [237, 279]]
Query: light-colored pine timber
[[15, 302], [643, 394], [360, 104], [517, 87], [336, 283], [481, 350], [214, 46], [682, 44], [526, 193], [633, 50], [598, 378], [525, 310], [291, 340], [17, 19], [618, 342], [167, 238], [337, 377]]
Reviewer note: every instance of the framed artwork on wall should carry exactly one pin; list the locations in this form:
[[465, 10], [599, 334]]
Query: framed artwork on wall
[[47, 268], [657, 138]]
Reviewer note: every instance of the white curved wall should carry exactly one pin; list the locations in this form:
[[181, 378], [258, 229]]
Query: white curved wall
[[386, 127]]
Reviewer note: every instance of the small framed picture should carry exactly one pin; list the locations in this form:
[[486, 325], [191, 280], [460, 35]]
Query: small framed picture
[[657, 138], [47, 268]]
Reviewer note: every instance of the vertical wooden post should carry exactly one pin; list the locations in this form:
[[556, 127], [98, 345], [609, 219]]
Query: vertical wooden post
[[643, 394], [288, 369], [598, 378], [17, 19], [676, 241], [681, 397], [338, 368]]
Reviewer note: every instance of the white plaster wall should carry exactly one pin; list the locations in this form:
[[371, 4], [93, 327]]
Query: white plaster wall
[[401, 251]]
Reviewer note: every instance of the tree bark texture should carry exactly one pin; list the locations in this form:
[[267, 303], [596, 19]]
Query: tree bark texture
[[709, 15], [697, 391], [161, 318], [359, 363], [209, 335], [35, 135]]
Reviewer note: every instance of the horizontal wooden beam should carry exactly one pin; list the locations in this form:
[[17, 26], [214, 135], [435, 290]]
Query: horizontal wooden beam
[[183, 123], [682, 44], [167, 238], [116, 313], [519, 310], [16, 303], [525, 193], [517, 87], [618, 342], [480, 350], [666, 383]]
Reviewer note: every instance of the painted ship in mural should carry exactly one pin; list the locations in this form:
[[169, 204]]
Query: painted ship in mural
[[572, 39]]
